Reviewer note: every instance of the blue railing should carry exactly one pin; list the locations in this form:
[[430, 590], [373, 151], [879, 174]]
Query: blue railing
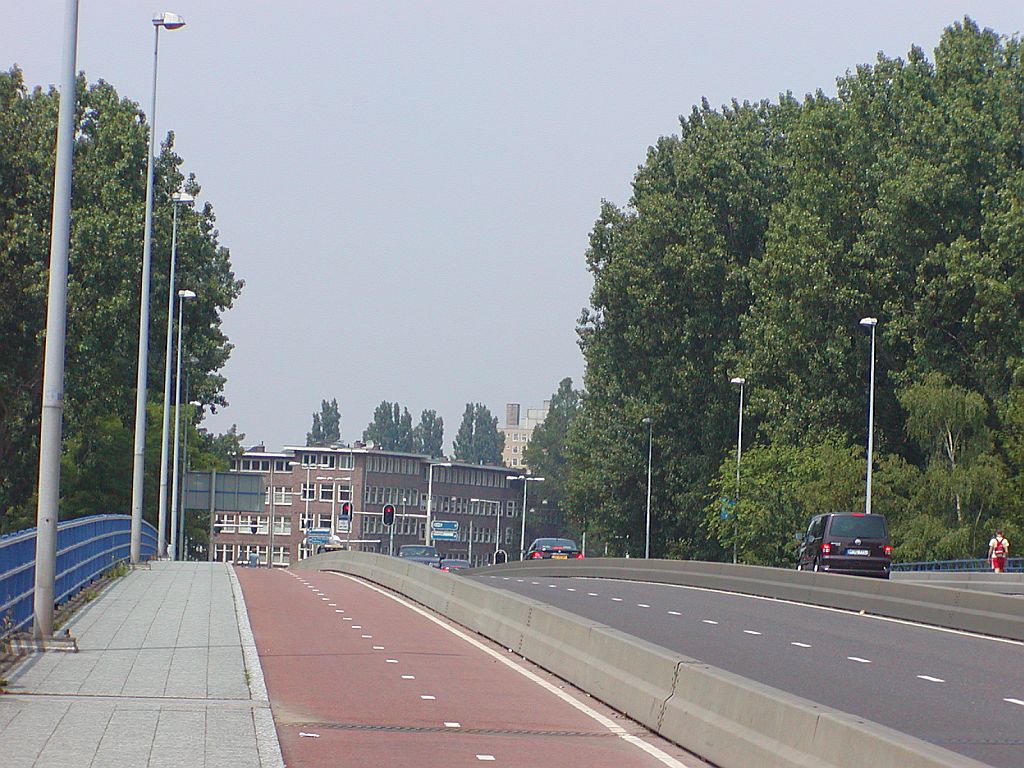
[[1013, 565], [86, 548]]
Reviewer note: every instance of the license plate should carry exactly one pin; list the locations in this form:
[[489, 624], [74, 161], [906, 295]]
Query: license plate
[[559, 557], [860, 552]]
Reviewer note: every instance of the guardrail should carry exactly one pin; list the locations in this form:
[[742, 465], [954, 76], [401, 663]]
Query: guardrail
[[1013, 565], [726, 719], [86, 548]]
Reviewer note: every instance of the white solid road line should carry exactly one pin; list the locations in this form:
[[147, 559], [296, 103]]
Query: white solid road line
[[660, 755], [931, 679]]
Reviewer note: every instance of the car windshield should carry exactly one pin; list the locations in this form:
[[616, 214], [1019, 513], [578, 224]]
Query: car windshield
[[554, 544], [859, 526], [408, 551]]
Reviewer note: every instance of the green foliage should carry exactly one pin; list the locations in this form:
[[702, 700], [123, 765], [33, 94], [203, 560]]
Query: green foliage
[[545, 454], [103, 284], [753, 243], [326, 425], [428, 436], [391, 428], [478, 440]]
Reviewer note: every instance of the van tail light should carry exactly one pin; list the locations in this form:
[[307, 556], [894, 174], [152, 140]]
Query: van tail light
[[826, 549], [888, 550], [579, 555]]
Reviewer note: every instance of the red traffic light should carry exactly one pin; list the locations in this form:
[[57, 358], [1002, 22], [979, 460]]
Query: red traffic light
[[389, 514], [346, 508]]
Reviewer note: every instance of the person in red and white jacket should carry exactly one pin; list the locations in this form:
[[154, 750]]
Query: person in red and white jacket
[[998, 550]]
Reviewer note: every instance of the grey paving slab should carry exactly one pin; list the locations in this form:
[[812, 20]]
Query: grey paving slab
[[162, 679]]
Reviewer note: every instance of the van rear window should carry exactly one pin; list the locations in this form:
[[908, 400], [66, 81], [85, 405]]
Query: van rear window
[[859, 527]]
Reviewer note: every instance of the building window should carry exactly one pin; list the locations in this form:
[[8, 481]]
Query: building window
[[328, 461], [282, 495], [282, 525], [308, 492], [309, 459], [223, 523], [306, 520], [326, 491], [224, 553], [280, 465], [281, 555]]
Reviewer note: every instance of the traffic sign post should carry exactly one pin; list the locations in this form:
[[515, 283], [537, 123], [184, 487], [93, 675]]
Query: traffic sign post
[[446, 530]]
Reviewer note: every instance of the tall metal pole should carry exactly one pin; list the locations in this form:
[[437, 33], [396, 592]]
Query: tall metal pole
[[739, 454], [182, 500], [871, 418], [270, 544], [166, 426], [430, 501], [182, 296], [497, 532], [51, 423], [650, 456], [139, 457], [522, 523]]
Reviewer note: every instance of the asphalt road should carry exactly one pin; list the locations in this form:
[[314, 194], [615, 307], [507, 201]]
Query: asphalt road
[[357, 677], [960, 691]]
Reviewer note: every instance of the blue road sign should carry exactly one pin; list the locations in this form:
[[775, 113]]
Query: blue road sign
[[316, 536], [445, 534], [444, 525]]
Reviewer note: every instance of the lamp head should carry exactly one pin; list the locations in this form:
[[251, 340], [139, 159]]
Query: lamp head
[[185, 293], [647, 420], [737, 380], [183, 198], [168, 20], [869, 322]]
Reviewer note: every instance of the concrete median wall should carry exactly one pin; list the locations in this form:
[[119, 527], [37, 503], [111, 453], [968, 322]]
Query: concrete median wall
[[728, 720]]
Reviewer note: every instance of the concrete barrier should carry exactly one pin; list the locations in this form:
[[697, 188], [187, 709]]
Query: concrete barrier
[[726, 719]]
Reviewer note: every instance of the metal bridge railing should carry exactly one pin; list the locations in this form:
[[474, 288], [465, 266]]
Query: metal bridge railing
[[86, 548], [1013, 565]]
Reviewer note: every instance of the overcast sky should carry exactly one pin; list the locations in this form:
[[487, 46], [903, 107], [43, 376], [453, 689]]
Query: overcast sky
[[407, 188]]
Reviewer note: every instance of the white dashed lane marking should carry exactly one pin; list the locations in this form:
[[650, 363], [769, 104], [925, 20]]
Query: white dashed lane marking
[[453, 725], [617, 599], [859, 660], [709, 621], [750, 632], [801, 645], [426, 697], [1015, 701], [485, 757], [931, 679], [591, 594], [642, 605], [408, 677], [674, 613]]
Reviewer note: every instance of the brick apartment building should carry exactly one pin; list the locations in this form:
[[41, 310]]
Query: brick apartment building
[[308, 487]]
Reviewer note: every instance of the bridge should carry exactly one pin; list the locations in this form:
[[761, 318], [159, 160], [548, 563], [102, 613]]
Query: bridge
[[349, 658]]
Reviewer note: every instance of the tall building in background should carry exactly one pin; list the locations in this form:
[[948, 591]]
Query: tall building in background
[[518, 430]]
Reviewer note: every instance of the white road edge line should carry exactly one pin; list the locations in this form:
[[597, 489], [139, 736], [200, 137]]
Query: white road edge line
[[663, 757]]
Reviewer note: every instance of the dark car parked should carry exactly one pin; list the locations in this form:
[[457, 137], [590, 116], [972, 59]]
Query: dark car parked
[[454, 564], [419, 553], [553, 549], [852, 543]]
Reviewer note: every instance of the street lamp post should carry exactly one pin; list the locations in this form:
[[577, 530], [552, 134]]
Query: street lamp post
[[650, 455], [430, 498], [522, 523], [177, 199], [741, 382], [183, 296], [870, 322], [51, 419], [179, 486], [169, 21]]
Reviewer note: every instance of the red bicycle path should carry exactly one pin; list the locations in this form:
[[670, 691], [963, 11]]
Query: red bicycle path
[[377, 683]]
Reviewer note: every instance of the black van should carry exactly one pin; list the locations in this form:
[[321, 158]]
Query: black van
[[854, 543]]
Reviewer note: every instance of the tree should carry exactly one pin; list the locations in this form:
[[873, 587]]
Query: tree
[[391, 428], [545, 454], [103, 282], [478, 440], [326, 425], [428, 436]]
